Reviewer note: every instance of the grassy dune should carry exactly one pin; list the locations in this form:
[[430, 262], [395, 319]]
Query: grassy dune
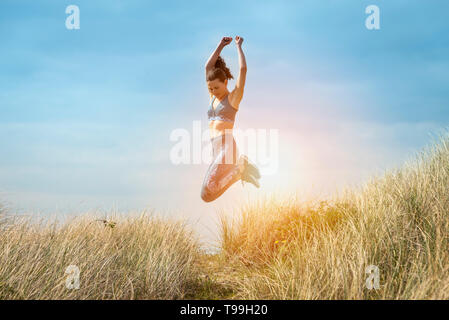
[[398, 222], [143, 257], [273, 249]]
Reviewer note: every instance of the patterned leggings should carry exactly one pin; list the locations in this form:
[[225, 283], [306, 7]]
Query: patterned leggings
[[224, 169]]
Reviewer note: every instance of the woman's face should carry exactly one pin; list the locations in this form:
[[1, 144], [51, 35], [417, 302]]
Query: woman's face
[[216, 87]]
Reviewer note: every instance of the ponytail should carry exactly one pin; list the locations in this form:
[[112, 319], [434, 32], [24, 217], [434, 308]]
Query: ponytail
[[220, 71]]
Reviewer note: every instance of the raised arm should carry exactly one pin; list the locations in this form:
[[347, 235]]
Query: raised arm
[[240, 83], [213, 58]]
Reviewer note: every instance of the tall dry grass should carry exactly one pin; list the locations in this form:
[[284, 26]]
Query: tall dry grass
[[140, 257], [398, 222], [283, 248]]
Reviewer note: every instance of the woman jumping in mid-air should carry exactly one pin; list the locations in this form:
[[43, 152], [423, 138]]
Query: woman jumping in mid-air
[[225, 169]]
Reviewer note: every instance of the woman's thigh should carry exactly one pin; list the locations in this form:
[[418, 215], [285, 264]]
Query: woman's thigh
[[227, 150], [222, 172]]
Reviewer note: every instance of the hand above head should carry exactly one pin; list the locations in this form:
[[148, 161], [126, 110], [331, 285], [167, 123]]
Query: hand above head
[[225, 41], [238, 40]]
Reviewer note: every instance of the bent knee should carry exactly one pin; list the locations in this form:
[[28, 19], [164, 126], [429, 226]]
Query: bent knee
[[206, 195]]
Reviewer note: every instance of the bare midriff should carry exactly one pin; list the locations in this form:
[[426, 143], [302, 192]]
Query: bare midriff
[[217, 128]]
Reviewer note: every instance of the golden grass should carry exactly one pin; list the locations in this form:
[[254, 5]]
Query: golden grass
[[142, 257], [398, 222], [274, 249]]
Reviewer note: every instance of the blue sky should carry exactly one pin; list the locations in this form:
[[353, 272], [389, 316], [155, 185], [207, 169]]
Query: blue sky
[[85, 115]]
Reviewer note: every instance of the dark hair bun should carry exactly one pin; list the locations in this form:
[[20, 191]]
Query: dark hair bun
[[221, 71]]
